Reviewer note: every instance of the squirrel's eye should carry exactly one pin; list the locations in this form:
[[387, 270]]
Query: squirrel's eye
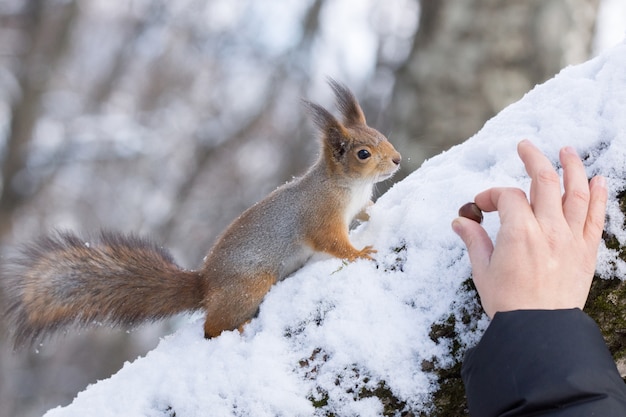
[[363, 154]]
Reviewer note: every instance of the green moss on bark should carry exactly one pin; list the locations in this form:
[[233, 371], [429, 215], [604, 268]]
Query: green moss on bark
[[607, 300], [607, 306]]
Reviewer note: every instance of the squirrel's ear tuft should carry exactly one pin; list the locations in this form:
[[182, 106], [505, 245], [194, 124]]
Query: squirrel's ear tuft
[[334, 135], [347, 103], [322, 118]]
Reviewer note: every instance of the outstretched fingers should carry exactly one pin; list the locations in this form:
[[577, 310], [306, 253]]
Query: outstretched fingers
[[594, 222], [577, 194], [584, 202], [545, 187]]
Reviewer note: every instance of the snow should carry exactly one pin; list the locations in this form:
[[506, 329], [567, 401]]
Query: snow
[[333, 330]]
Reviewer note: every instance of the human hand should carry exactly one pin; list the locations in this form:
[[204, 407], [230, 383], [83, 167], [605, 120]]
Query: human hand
[[545, 252]]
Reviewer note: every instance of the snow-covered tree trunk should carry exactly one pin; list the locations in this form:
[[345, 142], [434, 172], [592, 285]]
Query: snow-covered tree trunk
[[388, 337]]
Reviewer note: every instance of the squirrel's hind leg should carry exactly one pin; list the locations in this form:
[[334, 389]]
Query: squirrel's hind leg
[[236, 303]]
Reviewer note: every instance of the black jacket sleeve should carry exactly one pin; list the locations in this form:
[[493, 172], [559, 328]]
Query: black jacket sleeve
[[542, 362]]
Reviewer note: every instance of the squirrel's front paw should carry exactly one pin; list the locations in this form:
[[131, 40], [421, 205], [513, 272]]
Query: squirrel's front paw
[[366, 252]]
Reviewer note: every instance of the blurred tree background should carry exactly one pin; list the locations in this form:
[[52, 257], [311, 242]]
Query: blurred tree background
[[168, 118]]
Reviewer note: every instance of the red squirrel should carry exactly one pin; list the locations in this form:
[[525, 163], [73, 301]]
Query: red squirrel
[[61, 279]]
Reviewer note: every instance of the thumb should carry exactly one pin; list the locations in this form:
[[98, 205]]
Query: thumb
[[479, 245]]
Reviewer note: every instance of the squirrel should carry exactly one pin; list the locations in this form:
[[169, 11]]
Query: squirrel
[[123, 280]]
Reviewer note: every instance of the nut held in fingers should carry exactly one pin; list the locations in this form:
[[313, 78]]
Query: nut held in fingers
[[472, 212]]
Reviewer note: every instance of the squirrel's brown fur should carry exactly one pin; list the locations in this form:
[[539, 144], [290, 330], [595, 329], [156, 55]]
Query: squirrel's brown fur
[[125, 280]]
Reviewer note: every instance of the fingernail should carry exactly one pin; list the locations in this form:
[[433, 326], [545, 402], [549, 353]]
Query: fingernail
[[570, 150], [600, 181], [457, 227], [528, 142]]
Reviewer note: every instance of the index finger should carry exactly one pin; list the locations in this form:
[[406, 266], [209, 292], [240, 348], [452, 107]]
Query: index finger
[[510, 203], [545, 186]]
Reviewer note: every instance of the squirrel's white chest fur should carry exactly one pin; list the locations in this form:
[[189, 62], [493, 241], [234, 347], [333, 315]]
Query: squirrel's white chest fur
[[360, 195]]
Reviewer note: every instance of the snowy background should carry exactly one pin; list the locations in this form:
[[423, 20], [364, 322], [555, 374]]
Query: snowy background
[[332, 335]]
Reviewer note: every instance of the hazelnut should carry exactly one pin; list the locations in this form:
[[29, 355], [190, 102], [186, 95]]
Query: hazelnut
[[472, 212]]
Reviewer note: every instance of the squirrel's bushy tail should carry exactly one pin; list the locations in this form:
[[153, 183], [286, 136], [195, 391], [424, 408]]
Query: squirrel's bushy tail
[[114, 279]]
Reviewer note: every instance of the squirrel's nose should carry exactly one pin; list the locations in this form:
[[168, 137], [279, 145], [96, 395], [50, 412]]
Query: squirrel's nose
[[396, 160]]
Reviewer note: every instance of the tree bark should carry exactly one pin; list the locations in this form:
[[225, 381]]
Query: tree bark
[[470, 59]]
